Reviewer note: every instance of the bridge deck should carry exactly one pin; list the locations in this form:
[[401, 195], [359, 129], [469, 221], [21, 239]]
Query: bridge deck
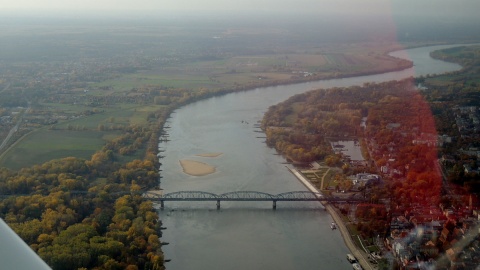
[[294, 196]]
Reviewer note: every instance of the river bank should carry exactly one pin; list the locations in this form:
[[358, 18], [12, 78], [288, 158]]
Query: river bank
[[347, 238]]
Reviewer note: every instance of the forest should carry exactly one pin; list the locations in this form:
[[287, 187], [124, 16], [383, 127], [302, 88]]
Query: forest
[[88, 214], [398, 120]]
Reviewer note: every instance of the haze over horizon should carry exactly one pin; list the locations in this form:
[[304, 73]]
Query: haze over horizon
[[465, 9]]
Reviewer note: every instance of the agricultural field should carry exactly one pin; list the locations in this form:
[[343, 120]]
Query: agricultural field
[[44, 145], [174, 79], [78, 137], [242, 70]]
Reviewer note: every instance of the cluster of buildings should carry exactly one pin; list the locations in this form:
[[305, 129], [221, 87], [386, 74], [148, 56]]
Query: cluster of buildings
[[435, 237], [5, 120], [467, 119]]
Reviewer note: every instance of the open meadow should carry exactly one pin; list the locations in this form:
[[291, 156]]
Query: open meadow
[[78, 137], [44, 145]]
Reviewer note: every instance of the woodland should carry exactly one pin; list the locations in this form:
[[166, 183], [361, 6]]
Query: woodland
[[396, 113], [88, 214]]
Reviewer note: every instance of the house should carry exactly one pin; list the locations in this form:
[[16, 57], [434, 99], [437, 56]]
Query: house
[[429, 249], [428, 139]]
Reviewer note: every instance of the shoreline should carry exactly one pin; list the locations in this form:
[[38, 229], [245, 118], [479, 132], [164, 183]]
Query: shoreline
[[356, 251]]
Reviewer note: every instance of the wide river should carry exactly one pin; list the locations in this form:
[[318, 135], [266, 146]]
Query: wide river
[[251, 235]]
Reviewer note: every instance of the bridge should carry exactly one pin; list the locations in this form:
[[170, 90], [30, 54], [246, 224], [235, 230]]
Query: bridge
[[293, 196], [252, 196]]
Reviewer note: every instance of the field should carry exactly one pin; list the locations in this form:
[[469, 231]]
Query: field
[[228, 72], [119, 115], [45, 145], [176, 79], [79, 137]]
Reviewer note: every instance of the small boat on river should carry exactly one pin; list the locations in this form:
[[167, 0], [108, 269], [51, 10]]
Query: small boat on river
[[333, 226]]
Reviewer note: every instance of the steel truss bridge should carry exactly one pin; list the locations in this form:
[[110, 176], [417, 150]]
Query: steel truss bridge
[[293, 196]]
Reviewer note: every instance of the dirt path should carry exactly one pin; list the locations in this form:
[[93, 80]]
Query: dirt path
[[323, 178]]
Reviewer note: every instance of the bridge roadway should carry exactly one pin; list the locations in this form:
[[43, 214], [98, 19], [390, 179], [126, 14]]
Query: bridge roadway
[[293, 196], [185, 196]]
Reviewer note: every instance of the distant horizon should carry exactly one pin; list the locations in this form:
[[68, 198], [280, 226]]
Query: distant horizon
[[461, 8], [390, 26], [24, 16]]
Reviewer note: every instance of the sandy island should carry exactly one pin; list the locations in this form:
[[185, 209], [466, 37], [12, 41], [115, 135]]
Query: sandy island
[[210, 155], [196, 168]]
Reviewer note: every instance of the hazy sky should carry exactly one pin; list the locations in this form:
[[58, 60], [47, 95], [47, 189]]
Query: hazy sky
[[417, 7]]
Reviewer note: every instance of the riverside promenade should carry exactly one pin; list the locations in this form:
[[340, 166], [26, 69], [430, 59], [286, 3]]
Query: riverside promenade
[[360, 254]]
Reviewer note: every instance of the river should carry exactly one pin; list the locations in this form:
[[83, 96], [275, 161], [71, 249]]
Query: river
[[250, 235]]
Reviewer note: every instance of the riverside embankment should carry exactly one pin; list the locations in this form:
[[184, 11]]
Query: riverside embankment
[[360, 254]]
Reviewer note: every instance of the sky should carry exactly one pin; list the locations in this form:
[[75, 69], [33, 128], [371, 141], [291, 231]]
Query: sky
[[465, 8]]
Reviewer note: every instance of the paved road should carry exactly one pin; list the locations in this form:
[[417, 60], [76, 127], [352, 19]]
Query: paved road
[[357, 252], [10, 134]]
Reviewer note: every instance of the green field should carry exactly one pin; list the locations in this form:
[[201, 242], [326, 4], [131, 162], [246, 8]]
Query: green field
[[120, 115], [79, 137], [44, 145], [175, 79]]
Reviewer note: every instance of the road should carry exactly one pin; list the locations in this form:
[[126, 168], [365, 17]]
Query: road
[[347, 238], [361, 255], [14, 128]]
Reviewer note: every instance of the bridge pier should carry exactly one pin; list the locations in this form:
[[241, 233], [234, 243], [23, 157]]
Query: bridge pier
[[274, 204], [162, 204], [218, 204]]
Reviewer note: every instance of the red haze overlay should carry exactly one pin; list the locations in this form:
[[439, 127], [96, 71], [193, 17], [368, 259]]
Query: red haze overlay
[[401, 135], [402, 140]]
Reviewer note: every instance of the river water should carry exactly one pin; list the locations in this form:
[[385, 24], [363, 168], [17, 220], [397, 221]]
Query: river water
[[250, 235]]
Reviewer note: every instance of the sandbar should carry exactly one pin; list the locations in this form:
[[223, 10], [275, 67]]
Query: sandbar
[[210, 155], [196, 168]]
